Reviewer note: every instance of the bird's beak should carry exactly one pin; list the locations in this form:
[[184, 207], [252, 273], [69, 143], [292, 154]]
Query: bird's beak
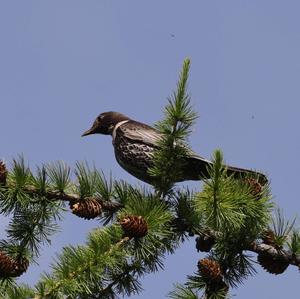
[[90, 131]]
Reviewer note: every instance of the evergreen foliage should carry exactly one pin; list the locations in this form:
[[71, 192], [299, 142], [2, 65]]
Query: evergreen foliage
[[176, 126], [141, 225]]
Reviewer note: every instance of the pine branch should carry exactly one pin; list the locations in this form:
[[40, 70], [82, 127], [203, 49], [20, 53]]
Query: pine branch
[[182, 292], [214, 287], [53, 183], [235, 214], [175, 128], [35, 205], [259, 247], [294, 242], [231, 217], [13, 291], [85, 267], [130, 270], [112, 262], [288, 256], [71, 197]]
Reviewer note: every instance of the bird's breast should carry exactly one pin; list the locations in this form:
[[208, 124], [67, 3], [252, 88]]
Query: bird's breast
[[134, 157]]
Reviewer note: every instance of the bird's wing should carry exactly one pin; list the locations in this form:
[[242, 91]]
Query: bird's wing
[[140, 132], [143, 133]]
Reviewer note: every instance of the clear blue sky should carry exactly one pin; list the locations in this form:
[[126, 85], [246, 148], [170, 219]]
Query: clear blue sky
[[63, 62]]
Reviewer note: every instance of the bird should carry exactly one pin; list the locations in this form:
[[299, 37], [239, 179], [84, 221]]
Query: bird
[[135, 143]]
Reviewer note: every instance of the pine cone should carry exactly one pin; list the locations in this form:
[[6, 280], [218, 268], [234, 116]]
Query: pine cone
[[256, 187], [7, 265], [134, 226], [204, 243], [10, 267], [268, 237], [88, 209], [3, 173], [21, 266], [272, 264], [210, 270]]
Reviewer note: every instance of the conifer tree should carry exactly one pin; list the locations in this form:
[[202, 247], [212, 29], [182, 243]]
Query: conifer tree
[[231, 220]]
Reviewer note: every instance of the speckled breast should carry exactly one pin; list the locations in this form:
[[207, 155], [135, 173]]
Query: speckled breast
[[134, 157]]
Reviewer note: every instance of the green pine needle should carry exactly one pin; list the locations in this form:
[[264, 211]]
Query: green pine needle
[[228, 208], [175, 127], [40, 181], [187, 220], [86, 179], [197, 282], [182, 292], [59, 175], [281, 228], [294, 242], [228, 205], [9, 290], [33, 226], [20, 174], [103, 186], [13, 196]]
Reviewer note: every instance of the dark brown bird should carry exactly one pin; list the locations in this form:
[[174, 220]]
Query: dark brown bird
[[135, 142]]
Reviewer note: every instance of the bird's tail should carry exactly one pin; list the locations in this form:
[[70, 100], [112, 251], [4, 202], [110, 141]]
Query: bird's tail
[[198, 168], [242, 173]]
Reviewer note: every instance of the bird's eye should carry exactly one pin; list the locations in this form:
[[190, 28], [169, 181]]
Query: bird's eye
[[100, 117]]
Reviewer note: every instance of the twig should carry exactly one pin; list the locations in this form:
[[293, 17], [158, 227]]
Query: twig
[[258, 247], [55, 195], [290, 257]]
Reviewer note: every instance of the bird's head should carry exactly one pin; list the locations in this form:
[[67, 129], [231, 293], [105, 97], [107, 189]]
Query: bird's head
[[105, 123]]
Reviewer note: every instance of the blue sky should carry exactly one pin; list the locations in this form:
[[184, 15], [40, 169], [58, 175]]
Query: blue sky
[[64, 62]]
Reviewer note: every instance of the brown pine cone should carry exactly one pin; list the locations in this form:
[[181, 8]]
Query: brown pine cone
[[134, 226], [272, 264], [205, 243], [7, 265], [88, 208], [210, 269], [21, 266], [211, 272], [3, 173], [10, 267]]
